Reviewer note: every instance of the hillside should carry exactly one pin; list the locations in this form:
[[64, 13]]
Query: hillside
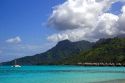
[[110, 50], [62, 50], [104, 51]]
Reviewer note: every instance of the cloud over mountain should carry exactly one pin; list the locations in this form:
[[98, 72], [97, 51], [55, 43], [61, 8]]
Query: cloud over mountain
[[86, 20]]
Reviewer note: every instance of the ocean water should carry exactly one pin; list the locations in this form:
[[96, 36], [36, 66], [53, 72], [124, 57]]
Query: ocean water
[[61, 74]]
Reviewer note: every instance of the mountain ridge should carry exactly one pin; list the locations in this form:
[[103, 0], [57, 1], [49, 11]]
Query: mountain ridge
[[110, 50], [60, 51]]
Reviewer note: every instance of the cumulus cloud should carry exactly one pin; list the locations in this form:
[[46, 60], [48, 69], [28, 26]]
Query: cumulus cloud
[[106, 26], [14, 40], [86, 20], [121, 21], [77, 13]]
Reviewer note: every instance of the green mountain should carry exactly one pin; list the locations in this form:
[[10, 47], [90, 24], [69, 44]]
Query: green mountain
[[104, 51], [61, 51], [110, 50]]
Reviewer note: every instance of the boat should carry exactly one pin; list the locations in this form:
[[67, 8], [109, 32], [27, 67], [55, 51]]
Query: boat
[[16, 65]]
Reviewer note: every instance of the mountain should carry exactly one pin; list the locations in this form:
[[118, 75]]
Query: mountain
[[121, 36], [110, 50], [61, 51]]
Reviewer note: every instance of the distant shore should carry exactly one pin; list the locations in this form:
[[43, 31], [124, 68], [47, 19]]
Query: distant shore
[[101, 64], [78, 64]]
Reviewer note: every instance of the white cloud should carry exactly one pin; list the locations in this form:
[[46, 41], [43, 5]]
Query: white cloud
[[76, 13], [73, 35], [123, 9], [121, 21], [85, 20], [14, 40], [106, 26]]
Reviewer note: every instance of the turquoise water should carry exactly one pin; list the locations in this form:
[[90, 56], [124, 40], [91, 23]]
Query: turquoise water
[[60, 74]]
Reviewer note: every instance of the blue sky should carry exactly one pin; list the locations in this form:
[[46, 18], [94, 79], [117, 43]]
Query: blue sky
[[26, 19]]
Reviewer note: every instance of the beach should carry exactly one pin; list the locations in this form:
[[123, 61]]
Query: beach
[[113, 81]]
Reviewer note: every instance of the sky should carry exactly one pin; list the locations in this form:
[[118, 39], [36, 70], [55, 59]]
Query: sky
[[24, 21], [29, 27]]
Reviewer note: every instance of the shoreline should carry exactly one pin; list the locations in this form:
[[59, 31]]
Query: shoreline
[[79, 64], [74, 65], [101, 64], [112, 81]]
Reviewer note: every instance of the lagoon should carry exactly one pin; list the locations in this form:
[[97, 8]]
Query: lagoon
[[62, 74]]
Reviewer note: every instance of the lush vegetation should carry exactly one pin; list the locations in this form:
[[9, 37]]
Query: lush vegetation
[[104, 51], [110, 50]]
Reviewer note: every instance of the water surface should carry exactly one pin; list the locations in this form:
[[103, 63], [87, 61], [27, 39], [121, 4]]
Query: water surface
[[62, 74]]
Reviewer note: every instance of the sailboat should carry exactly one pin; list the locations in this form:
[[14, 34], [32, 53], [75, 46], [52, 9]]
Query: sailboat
[[15, 65]]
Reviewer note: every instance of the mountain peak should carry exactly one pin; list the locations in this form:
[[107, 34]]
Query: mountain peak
[[62, 50], [64, 42]]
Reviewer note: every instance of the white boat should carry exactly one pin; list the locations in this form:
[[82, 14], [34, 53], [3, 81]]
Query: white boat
[[16, 65]]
